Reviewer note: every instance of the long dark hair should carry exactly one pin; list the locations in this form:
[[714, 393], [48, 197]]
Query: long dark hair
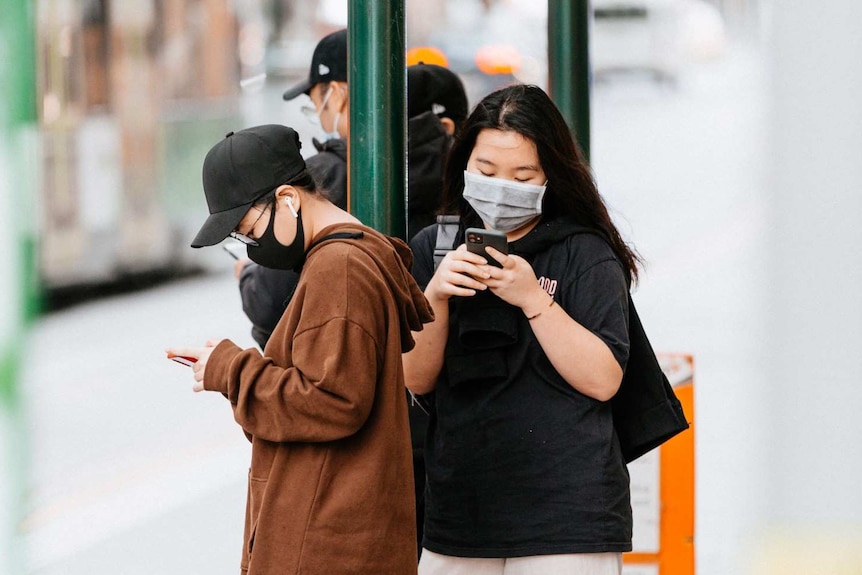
[[571, 190]]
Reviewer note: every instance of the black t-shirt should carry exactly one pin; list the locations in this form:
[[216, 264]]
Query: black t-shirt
[[518, 462]]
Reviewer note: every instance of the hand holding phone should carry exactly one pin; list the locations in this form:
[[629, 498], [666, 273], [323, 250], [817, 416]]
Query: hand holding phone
[[478, 239], [194, 357]]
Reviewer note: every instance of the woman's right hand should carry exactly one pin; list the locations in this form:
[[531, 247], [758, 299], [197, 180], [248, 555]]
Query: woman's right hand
[[456, 275]]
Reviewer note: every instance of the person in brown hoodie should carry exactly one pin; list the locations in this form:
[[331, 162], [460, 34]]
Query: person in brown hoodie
[[331, 479]]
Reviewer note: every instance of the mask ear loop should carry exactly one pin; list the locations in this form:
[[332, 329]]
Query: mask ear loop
[[290, 207], [335, 131]]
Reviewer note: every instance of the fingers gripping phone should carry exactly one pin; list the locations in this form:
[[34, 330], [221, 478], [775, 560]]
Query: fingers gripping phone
[[478, 239]]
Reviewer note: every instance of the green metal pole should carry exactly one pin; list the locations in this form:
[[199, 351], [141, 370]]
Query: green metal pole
[[18, 173], [569, 64], [378, 125]]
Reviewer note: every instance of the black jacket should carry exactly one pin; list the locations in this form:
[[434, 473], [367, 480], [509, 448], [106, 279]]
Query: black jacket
[[427, 146], [265, 293], [328, 167]]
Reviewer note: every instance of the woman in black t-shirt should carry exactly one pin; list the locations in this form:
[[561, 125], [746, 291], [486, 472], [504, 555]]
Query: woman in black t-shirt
[[524, 469]]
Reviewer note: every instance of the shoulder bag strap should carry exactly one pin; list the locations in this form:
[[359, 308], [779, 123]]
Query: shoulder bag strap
[[447, 233]]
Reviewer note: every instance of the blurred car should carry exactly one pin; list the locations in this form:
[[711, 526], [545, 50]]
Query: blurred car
[[658, 37], [490, 44]]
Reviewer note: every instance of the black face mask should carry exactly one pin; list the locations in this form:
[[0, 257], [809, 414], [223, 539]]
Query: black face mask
[[270, 253]]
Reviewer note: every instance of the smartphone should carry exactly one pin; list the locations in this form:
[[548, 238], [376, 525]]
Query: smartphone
[[478, 239], [185, 360]]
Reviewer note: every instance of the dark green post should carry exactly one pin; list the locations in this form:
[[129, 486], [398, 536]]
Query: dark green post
[[18, 219], [378, 126], [569, 64]]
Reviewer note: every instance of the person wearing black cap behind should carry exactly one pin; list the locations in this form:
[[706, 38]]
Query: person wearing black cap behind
[[265, 292], [326, 86], [436, 106], [331, 478]]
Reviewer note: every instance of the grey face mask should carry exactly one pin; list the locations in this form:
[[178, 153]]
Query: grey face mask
[[503, 205]]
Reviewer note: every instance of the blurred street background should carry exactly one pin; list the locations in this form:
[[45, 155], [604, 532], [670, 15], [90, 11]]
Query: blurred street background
[[741, 204]]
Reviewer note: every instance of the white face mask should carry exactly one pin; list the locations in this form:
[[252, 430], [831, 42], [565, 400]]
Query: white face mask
[[503, 204], [333, 135]]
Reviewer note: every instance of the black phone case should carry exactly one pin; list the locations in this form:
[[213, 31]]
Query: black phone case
[[477, 239]]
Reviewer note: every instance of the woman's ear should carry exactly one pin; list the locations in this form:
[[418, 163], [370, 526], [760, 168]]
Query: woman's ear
[[289, 198]]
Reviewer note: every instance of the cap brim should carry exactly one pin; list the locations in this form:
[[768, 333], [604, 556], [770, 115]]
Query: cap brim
[[219, 225], [302, 88]]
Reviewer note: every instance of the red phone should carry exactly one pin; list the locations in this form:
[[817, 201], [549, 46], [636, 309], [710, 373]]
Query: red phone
[[183, 359]]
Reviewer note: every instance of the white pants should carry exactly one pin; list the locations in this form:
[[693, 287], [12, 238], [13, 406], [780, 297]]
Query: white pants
[[574, 564]]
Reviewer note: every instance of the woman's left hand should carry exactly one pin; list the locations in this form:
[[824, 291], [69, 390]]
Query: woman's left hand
[[515, 282], [202, 355]]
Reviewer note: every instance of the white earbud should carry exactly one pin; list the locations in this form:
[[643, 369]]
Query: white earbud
[[290, 207]]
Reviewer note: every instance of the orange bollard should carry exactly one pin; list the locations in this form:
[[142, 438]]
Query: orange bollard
[[663, 490]]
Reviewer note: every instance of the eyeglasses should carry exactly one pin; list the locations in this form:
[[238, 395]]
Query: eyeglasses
[[246, 239], [310, 110], [243, 238]]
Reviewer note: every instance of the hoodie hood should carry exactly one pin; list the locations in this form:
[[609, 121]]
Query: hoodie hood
[[394, 260], [549, 232]]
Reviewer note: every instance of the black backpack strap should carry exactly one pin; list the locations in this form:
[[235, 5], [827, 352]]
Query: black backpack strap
[[337, 236], [447, 234]]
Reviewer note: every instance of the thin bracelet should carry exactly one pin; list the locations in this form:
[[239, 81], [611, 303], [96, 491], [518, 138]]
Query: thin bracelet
[[532, 317]]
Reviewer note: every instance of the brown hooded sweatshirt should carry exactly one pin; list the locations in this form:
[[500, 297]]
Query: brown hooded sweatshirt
[[331, 480]]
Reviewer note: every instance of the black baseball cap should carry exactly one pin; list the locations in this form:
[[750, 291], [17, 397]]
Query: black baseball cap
[[435, 88], [328, 64], [240, 170]]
